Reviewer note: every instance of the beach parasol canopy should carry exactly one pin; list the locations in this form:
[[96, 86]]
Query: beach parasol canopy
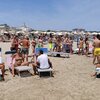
[[36, 32], [99, 33], [20, 32], [94, 33], [5, 32]]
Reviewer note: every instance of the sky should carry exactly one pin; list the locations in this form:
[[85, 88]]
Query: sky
[[51, 14]]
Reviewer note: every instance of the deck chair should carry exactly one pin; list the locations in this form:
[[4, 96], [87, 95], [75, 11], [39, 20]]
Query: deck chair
[[45, 50], [19, 68]]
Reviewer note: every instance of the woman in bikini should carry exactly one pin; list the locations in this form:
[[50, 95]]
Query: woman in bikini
[[33, 45], [81, 43], [18, 60]]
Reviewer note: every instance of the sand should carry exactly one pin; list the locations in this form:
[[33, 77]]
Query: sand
[[72, 81]]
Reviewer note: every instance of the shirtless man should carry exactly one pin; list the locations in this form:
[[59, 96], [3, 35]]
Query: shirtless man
[[40, 42], [14, 43], [18, 60], [96, 45], [33, 45], [54, 43], [25, 43], [86, 46], [58, 42], [71, 45], [81, 46]]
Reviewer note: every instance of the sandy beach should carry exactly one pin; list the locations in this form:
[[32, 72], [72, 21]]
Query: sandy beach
[[72, 81]]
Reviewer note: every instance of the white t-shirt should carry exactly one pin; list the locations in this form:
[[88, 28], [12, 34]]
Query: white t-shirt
[[43, 60]]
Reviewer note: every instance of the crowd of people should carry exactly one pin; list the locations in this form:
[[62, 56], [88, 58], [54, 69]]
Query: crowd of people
[[56, 44]]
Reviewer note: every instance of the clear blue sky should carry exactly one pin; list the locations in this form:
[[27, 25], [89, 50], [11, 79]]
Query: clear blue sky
[[51, 14]]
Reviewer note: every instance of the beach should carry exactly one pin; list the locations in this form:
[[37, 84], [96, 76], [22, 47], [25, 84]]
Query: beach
[[72, 81]]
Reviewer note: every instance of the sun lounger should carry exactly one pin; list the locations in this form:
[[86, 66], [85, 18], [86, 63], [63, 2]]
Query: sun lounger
[[23, 68], [45, 70], [77, 50], [60, 53]]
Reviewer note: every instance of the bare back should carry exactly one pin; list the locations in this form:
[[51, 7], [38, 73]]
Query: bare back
[[25, 43], [96, 43]]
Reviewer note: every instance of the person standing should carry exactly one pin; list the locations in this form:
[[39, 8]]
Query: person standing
[[86, 46], [25, 43], [96, 45], [14, 43], [33, 43], [71, 45], [81, 43]]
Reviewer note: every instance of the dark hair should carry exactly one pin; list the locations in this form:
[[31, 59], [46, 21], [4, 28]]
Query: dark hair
[[81, 38], [98, 36], [19, 50], [51, 35], [41, 51]]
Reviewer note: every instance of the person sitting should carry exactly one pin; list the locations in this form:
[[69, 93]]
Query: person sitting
[[18, 60], [42, 62], [25, 43]]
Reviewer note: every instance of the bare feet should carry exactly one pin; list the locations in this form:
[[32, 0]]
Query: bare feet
[[94, 75]]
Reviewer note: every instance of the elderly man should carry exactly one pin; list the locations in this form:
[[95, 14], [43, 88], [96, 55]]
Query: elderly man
[[42, 62]]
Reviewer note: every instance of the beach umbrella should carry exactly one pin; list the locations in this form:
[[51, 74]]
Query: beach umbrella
[[54, 33], [59, 33], [44, 32], [99, 33], [36, 32], [94, 33], [5, 32]]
